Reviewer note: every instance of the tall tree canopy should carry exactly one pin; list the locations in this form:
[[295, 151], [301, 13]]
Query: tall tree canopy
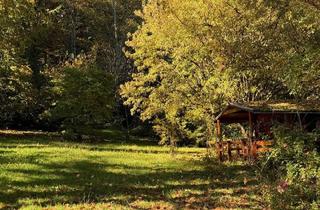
[[192, 57]]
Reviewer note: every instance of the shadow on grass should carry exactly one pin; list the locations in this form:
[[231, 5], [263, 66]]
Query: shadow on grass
[[90, 135], [96, 181]]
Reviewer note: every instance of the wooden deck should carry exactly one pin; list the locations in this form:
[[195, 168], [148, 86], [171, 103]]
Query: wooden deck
[[241, 149]]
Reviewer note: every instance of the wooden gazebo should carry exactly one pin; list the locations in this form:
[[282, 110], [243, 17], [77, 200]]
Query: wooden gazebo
[[260, 117]]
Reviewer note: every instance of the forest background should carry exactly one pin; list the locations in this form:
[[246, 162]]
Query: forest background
[[71, 65]]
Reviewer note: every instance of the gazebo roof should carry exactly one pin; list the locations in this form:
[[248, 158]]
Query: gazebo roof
[[235, 112]]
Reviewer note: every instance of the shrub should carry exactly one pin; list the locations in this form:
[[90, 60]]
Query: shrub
[[293, 169], [16, 93], [86, 97]]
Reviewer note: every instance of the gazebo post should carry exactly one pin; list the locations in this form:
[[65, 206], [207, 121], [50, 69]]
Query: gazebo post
[[250, 132], [219, 142], [219, 130]]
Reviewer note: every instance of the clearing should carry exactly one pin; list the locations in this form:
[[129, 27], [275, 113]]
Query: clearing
[[38, 173]]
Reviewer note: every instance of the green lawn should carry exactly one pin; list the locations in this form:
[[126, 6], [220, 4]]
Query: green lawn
[[41, 173]]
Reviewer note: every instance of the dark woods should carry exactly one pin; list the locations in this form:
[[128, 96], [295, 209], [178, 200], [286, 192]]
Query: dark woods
[[62, 62]]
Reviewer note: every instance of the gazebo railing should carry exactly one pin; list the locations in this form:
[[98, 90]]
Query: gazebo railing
[[242, 148]]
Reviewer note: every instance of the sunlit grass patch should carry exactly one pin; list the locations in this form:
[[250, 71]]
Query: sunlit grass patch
[[41, 173], [142, 204]]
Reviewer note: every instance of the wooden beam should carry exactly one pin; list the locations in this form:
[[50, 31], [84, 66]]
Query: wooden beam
[[250, 126], [216, 131], [250, 134], [229, 150], [219, 143], [219, 135], [219, 150]]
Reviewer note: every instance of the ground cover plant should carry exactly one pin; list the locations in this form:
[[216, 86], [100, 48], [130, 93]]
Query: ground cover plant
[[38, 173]]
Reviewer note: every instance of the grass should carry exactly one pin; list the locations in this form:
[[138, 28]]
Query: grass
[[40, 173]]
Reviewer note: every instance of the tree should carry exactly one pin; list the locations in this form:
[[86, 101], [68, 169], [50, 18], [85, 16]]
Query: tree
[[85, 96], [192, 57], [16, 91], [42, 35]]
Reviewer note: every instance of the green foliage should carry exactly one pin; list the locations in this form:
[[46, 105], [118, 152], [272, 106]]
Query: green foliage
[[85, 96], [192, 57], [177, 85], [15, 93], [293, 168], [40, 36]]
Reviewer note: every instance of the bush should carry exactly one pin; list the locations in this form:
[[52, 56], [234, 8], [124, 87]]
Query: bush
[[86, 98], [16, 93], [293, 169]]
